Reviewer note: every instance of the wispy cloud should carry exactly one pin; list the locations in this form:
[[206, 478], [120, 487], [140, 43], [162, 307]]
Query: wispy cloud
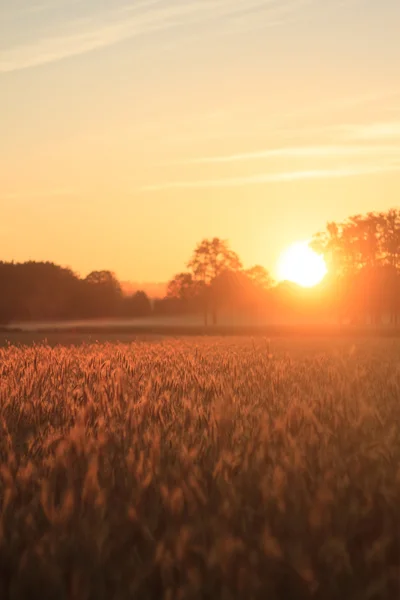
[[305, 124], [296, 152], [276, 177], [389, 130], [97, 31]]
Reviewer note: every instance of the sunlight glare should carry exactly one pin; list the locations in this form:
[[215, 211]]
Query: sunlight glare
[[300, 264]]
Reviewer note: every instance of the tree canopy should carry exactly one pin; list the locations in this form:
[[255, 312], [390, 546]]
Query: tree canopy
[[216, 279], [43, 291], [363, 258]]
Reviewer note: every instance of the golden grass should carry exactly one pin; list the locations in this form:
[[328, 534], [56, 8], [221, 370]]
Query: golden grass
[[199, 469]]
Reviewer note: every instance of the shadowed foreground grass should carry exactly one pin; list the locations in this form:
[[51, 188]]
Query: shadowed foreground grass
[[205, 468]]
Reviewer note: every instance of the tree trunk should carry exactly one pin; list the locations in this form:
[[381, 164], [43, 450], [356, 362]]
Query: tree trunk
[[214, 317]]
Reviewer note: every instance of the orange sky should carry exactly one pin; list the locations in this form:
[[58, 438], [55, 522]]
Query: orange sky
[[134, 131]]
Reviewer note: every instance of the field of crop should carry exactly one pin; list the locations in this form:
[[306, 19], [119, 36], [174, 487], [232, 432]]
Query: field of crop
[[199, 469]]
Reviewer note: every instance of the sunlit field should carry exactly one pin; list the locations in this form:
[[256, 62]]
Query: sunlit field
[[202, 468]]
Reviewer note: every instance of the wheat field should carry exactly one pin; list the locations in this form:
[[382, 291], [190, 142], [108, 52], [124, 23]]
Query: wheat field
[[197, 469]]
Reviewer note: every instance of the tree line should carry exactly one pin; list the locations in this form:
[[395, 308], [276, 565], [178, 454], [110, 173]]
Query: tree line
[[362, 254], [43, 291], [363, 283], [363, 259]]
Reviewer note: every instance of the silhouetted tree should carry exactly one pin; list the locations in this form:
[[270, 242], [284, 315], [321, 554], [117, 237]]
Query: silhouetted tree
[[217, 280], [390, 241], [209, 260], [245, 291], [363, 258], [260, 277], [43, 291], [229, 289], [182, 286], [136, 305], [103, 294], [36, 291]]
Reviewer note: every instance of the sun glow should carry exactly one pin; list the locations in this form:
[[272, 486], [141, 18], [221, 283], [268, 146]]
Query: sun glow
[[301, 265]]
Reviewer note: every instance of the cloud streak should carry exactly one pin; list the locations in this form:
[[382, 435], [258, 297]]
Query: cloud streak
[[327, 151], [389, 130], [81, 36], [277, 177]]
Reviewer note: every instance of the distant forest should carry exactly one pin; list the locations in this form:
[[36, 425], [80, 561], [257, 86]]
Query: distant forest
[[362, 286]]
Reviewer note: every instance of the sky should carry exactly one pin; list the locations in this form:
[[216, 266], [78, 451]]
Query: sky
[[132, 130]]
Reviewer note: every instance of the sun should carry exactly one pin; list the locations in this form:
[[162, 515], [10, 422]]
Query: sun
[[301, 265]]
